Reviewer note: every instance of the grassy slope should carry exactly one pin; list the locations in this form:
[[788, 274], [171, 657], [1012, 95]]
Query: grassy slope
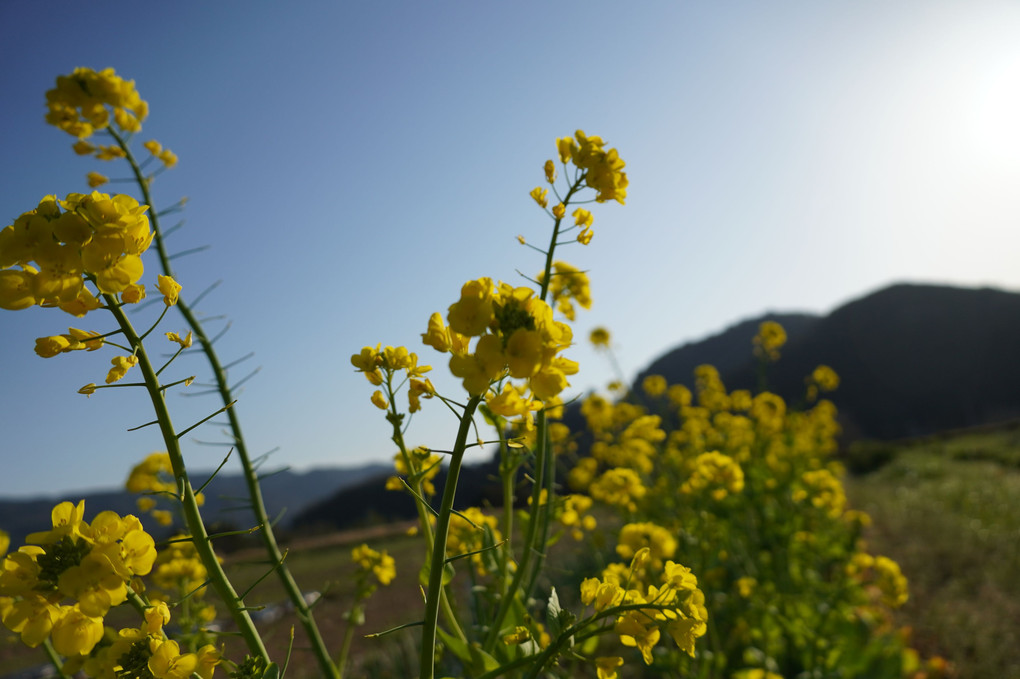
[[949, 512]]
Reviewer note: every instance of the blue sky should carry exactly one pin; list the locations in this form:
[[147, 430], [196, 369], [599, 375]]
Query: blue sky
[[350, 165]]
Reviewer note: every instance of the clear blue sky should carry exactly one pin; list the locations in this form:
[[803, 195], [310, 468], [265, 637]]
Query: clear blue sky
[[352, 164]]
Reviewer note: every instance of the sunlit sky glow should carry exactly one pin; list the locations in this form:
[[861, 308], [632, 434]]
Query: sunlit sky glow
[[350, 165]]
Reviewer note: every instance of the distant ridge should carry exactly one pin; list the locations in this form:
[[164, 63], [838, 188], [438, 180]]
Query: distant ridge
[[913, 359], [286, 493]]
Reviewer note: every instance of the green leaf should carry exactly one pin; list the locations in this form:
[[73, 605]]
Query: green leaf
[[552, 614], [470, 654]]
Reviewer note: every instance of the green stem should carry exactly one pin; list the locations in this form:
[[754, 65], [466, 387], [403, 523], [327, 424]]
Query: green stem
[[275, 554], [54, 658], [341, 661], [424, 515], [507, 471], [189, 505], [438, 563]]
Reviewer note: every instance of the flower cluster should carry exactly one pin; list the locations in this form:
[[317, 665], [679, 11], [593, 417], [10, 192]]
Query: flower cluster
[[78, 104], [761, 516], [568, 286], [146, 652], [822, 379], [379, 367], [96, 238], [517, 338], [884, 574], [653, 600], [472, 531], [379, 564], [602, 169], [89, 564], [718, 474], [769, 340]]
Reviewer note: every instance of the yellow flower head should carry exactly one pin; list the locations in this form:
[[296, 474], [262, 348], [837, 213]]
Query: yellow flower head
[[770, 338], [170, 289], [540, 196], [78, 104], [121, 364], [550, 171], [599, 337]]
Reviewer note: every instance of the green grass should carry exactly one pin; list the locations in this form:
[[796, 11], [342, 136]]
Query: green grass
[[948, 510]]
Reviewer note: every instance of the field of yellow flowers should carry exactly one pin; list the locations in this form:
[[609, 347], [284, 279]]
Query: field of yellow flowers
[[689, 531]]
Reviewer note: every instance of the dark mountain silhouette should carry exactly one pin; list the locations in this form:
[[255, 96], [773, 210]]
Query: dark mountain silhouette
[[912, 359]]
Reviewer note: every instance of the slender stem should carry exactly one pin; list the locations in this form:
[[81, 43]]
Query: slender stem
[[54, 657], [275, 554], [189, 505], [424, 515], [438, 562], [543, 468]]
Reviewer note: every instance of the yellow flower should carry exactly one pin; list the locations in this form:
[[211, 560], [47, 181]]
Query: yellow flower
[[471, 315], [167, 662], [48, 347], [96, 180], [550, 171], [599, 337], [78, 103], [168, 157], [437, 336], [121, 364], [633, 632], [380, 564], [825, 377], [74, 633], [83, 148], [368, 360], [88, 389], [540, 196], [559, 210], [654, 385], [770, 338], [606, 666], [170, 289], [566, 148], [584, 238], [583, 217], [174, 337], [379, 400], [17, 289], [518, 636]]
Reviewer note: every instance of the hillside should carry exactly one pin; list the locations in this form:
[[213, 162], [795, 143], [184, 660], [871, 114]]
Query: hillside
[[913, 359]]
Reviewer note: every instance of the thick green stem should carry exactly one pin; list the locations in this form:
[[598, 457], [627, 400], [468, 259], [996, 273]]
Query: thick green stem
[[438, 563], [189, 505], [301, 607], [424, 513]]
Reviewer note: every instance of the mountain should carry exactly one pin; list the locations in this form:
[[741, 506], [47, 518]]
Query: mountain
[[912, 359], [285, 493]]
